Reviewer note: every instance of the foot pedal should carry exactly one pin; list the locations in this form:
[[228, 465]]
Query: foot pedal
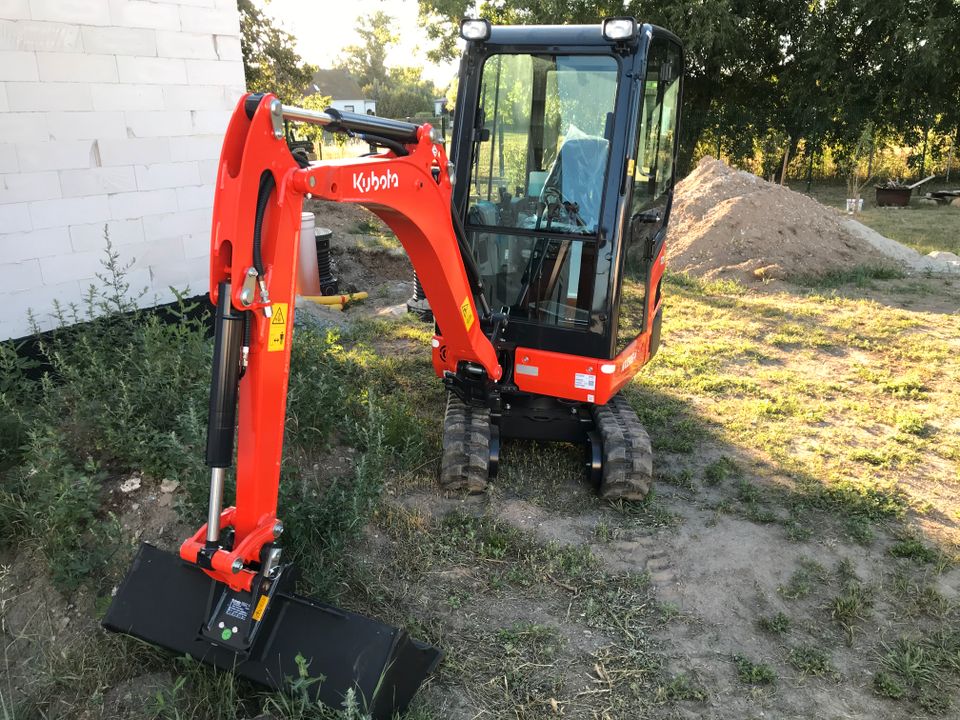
[[171, 603]]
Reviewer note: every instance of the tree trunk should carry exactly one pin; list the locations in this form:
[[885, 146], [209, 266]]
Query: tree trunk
[[953, 150]]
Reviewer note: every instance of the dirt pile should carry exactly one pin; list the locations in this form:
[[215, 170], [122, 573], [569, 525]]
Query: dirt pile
[[729, 223]]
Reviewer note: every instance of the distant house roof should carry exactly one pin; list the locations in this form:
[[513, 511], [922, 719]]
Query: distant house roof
[[336, 84]]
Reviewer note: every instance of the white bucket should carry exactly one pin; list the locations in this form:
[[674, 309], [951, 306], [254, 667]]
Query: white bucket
[[308, 274]]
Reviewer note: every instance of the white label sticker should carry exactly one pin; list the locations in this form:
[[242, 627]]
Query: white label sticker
[[590, 397], [583, 381]]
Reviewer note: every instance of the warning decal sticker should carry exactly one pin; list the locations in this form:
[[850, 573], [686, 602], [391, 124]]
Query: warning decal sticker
[[261, 606], [278, 328], [467, 313]]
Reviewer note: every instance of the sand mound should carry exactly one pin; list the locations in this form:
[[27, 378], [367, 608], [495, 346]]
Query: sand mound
[[729, 223]]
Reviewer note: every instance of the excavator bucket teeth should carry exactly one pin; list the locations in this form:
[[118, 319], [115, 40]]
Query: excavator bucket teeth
[[166, 601]]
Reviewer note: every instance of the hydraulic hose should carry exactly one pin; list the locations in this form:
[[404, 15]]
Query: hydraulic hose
[[267, 185]]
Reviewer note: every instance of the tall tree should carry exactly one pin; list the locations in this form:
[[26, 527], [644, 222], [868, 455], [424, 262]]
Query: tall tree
[[400, 92], [270, 61], [816, 70], [367, 62]]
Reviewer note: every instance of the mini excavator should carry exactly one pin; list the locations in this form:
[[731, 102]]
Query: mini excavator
[[560, 180]]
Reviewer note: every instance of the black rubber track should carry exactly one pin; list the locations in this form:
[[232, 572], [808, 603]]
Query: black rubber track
[[627, 455], [465, 465]]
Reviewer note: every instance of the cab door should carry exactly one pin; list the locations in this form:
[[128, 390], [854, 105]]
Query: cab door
[[652, 169]]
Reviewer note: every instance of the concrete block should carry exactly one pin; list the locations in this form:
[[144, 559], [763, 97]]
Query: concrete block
[[228, 47], [157, 228], [149, 254], [197, 97], [170, 275], [151, 70], [208, 171], [134, 151], [8, 158], [91, 237], [27, 186], [15, 247], [138, 14], [75, 266], [196, 147], [15, 9], [38, 303], [198, 197], [21, 275], [86, 125], [23, 127], [60, 155], [219, 21], [140, 204], [45, 96], [18, 65], [4, 105], [77, 67], [195, 46], [97, 181], [84, 12], [69, 211], [120, 41], [159, 124], [211, 122], [214, 72], [127, 98], [15, 218], [45, 36], [167, 175], [196, 245]]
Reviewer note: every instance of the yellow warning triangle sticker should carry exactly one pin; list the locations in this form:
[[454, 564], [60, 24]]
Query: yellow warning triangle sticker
[[278, 318]]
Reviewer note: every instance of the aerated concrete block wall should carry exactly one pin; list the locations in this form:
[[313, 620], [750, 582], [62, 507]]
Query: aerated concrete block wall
[[111, 115]]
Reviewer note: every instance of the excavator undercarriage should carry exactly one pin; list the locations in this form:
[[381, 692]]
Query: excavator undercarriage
[[562, 167]]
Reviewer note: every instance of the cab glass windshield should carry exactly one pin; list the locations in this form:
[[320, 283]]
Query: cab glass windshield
[[540, 155]]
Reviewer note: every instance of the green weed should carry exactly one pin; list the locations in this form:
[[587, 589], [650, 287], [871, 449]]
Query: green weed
[[775, 625], [752, 673], [913, 549], [680, 688], [717, 472], [810, 660]]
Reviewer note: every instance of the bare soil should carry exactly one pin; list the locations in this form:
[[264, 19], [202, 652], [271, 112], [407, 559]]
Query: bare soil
[[730, 223]]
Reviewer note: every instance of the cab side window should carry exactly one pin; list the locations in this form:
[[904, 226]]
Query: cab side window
[[653, 169]]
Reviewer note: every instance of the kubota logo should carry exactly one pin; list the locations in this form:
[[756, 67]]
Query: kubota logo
[[365, 182]]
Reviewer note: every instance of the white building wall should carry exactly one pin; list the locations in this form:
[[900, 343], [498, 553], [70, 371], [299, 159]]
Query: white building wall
[[111, 115]]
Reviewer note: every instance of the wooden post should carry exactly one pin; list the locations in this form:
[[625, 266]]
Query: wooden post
[[786, 160]]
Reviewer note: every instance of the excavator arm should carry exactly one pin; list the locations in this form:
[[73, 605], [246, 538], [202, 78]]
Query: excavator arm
[[253, 259]]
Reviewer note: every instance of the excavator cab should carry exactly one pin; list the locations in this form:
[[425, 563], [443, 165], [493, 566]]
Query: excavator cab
[[564, 146]]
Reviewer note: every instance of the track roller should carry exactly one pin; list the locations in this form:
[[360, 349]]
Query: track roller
[[471, 447], [627, 471]]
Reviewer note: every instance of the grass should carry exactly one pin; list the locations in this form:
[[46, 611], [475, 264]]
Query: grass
[[822, 414], [754, 673], [924, 228], [810, 660]]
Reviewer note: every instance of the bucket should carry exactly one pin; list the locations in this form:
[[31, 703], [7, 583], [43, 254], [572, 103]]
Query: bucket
[[167, 601], [308, 275]]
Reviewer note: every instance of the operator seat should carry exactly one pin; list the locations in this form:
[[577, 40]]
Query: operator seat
[[577, 175]]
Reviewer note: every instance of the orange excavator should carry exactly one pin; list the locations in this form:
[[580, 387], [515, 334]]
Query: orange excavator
[[561, 174]]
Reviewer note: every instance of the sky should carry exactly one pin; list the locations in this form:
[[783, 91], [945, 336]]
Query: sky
[[324, 28]]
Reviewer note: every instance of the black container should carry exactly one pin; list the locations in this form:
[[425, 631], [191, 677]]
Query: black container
[[893, 197]]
